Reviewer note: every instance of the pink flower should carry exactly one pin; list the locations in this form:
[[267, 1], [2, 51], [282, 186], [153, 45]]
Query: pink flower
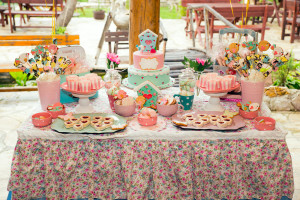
[[200, 61], [121, 94]]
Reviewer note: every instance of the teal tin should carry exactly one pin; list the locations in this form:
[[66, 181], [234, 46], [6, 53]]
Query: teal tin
[[186, 101], [67, 97]]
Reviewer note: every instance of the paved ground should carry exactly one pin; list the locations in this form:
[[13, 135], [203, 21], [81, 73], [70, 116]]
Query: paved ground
[[16, 107]]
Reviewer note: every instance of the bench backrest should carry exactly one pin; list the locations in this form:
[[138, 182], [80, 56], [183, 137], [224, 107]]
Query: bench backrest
[[34, 40], [257, 11], [185, 2], [50, 2]]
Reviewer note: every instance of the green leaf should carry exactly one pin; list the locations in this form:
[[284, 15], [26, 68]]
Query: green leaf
[[13, 75]]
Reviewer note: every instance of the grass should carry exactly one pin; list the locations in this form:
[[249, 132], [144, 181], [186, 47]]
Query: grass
[[165, 12]]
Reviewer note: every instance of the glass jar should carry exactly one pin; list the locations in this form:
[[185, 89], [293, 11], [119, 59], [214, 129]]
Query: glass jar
[[112, 78], [187, 82]]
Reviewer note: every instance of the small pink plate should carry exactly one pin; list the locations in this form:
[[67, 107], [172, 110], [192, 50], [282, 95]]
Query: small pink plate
[[238, 121], [264, 123], [64, 86], [220, 91], [37, 121]]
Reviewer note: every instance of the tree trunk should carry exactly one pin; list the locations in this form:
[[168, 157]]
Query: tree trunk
[[67, 14], [144, 14]]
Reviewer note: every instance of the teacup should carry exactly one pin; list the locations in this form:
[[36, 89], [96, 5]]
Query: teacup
[[186, 101], [168, 110], [125, 111]]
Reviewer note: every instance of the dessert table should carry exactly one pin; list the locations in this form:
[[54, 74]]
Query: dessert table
[[160, 163]]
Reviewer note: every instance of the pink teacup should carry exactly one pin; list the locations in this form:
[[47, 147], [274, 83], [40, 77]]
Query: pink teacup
[[125, 111], [168, 110]]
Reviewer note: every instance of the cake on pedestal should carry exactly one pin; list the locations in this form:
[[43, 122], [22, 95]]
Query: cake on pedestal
[[148, 64]]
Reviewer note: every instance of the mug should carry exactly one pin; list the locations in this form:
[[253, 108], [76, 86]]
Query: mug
[[186, 101]]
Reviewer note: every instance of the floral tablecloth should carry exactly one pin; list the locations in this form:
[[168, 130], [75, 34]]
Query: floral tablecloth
[[167, 164]]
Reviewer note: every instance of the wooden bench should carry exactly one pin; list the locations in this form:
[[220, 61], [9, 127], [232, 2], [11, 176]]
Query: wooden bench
[[198, 18], [31, 40], [29, 13], [34, 40], [264, 11]]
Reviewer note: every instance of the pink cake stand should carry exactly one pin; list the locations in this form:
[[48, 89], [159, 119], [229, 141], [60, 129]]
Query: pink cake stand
[[214, 100], [84, 105]]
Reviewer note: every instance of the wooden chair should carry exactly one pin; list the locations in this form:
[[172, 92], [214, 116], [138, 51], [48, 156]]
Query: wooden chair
[[293, 8], [3, 18], [119, 38]]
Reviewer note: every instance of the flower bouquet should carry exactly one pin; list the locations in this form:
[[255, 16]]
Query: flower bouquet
[[198, 67]]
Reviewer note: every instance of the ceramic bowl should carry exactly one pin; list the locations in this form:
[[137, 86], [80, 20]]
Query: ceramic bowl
[[167, 110], [147, 122], [125, 111], [268, 123], [248, 115], [37, 121], [55, 114]]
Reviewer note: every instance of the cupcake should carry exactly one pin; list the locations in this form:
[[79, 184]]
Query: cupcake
[[72, 82], [147, 117]]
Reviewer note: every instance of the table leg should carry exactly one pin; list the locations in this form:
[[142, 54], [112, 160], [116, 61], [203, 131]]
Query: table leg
[[191, 26], [2, 19], [276, 14]]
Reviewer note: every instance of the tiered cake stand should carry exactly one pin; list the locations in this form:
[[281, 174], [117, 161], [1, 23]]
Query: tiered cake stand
[[214, 100], [84, 105]]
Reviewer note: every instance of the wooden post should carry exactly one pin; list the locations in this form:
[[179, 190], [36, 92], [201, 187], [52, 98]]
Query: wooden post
[[144, 14]]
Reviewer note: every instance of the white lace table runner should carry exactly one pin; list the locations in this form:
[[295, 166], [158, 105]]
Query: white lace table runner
[[170, 132]]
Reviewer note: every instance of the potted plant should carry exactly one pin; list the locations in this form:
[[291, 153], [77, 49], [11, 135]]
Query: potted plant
[[99, 13]]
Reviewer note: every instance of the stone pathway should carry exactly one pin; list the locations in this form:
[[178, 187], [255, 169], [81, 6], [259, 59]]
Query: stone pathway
[[17, 107]]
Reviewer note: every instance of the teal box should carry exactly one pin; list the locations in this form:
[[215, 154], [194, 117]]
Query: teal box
[[67, 97]]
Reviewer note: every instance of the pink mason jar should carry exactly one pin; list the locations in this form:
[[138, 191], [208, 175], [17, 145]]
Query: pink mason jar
[[252, 91], [49, 92]]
